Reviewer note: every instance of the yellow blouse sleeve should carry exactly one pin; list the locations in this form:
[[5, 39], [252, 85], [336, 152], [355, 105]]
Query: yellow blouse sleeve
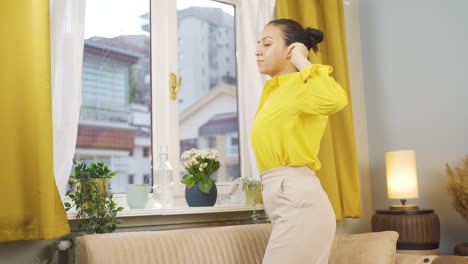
[[320, 94]]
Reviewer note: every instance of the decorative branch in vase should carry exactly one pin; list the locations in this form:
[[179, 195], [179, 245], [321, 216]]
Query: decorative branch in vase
[[458, 186]]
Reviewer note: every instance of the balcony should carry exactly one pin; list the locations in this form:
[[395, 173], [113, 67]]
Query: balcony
[[100, 114]]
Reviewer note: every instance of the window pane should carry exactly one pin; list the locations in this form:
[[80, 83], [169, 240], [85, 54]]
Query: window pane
[[114, 124], [208, 94]]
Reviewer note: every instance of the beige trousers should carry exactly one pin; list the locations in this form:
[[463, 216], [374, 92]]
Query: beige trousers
[[301, 214]]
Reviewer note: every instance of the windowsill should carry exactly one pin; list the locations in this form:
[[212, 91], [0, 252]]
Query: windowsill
[[180, 217], [180, 206], [184, 210], [225, 212]]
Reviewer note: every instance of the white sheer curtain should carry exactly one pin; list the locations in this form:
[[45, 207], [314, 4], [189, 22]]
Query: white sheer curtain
[[253, 18], [66, 40]]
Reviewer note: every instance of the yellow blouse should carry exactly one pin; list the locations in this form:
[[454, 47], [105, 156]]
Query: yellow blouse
[[292, 116]]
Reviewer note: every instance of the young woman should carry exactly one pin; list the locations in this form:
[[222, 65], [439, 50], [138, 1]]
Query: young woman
[[288, 126]]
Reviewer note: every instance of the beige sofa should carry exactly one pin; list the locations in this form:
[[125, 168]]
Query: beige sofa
[[240, 244]]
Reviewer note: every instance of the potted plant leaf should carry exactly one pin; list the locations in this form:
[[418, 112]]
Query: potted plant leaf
[[92, 198], [200, 165]]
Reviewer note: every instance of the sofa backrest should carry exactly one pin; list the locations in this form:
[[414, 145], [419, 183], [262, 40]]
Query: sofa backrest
[[241, 244]]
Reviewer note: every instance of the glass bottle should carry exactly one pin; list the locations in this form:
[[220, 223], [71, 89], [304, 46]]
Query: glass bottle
[[163, 176]]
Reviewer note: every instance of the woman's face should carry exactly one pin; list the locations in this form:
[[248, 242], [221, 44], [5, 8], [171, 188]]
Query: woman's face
[[272, 52]]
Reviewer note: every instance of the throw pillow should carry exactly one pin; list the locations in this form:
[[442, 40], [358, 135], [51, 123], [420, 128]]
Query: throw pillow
[[365, 248]]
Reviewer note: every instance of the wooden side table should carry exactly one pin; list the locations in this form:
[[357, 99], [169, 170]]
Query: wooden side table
[[417, 229]]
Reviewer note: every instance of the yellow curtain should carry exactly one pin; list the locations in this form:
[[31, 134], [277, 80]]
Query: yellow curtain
[[339, 174], [31, 207]]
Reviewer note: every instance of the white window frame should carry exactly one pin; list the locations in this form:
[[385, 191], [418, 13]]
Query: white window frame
[[164, 61], [164, 117]]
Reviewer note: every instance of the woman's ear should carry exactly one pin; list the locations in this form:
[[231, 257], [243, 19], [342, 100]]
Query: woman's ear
[[290, 49]]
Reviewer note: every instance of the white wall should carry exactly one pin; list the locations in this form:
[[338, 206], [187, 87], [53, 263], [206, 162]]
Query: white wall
[[416, 89]]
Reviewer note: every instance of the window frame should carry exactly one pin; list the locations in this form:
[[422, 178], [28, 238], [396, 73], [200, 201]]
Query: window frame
[[163, 14], [163, 61], [163, 23]]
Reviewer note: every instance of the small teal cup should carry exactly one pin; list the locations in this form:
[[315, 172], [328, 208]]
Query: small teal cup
[[137, 195]]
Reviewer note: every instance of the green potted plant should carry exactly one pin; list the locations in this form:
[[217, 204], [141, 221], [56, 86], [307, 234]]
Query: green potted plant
[[200, 186], [253, 195], [92, 198], [252, 189]]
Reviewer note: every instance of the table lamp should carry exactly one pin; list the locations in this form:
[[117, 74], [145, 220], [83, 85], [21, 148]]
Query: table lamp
[[402, 179]]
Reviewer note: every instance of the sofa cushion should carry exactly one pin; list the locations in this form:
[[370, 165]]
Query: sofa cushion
[[367, 248]]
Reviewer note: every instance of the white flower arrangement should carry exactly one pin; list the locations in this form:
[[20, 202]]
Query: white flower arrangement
[[200, 164]]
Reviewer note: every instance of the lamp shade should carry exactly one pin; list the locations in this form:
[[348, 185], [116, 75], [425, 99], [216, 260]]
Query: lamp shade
[[402, 179]]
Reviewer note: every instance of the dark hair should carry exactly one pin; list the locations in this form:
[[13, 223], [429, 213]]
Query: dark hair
[[292, 32]]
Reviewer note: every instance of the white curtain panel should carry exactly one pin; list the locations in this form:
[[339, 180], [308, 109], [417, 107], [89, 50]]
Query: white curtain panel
[[66, 37], [253, 18]]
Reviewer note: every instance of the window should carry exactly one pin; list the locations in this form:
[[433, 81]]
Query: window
[[234, 140], [212, 142], [197, 42], [114, 125], [205, 114], [145, 152], [208, 112], [232, 145]]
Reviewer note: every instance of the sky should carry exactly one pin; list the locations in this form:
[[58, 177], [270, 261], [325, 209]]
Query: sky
[[111, 18]]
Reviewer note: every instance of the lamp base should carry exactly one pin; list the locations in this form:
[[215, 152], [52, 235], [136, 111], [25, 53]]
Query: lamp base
[[404, 207]]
